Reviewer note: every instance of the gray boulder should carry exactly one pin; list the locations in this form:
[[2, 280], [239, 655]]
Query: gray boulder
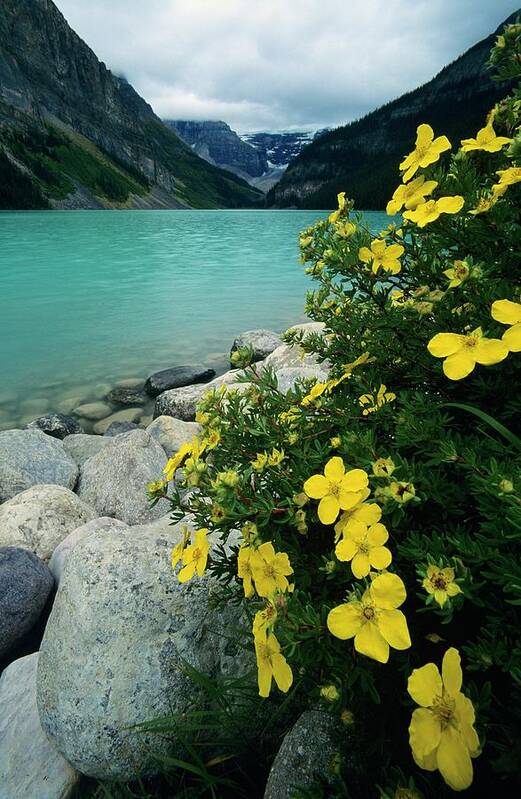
[[182, 402], [113, 651], [262, 342], [116, 428], [57, 425], [82, 446], [125, 395], [126, 415], [172, 433], [25, 585], [305, 755], [64, 549], [41, 517], [176, 377], [292, 354], [93, 410], [30, 765], [289, 376], [29, 457], [114, 481]]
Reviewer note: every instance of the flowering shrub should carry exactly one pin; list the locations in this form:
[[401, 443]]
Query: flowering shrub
[[373, 521]]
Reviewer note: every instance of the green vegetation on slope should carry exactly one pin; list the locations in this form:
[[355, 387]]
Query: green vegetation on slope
[[18, 190]]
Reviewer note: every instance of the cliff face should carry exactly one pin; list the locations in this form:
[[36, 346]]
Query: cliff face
[[52, 84], [362, 158]]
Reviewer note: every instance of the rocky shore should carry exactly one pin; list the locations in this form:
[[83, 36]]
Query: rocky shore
[[85, 559]]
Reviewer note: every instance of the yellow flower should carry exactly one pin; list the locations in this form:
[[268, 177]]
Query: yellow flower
[[463, 352], [431, 210], [260, 462], [440, 583], [156, 488], [276, 457], [329, 693], [316, 392], [370, 404], [507, 177], [270, 570], [401, 492], [458, 273], [427, 151], [486, 140], [336, 489], [335, 442], [441, 732], [484, 205], [382, 256], [383, 467], [363, 546], [218, 513], [177, 552], [345, 230], [366, 512], [509, 313], [244, 570], [374, 621], [265, 619], [271, 665], [306, 241], [212, 439], [341, 200], [195, 557], [175, 462], [410, 195]]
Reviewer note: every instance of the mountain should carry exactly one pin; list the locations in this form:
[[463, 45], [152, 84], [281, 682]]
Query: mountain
[[362, 158], [281, 148], [73, 134]]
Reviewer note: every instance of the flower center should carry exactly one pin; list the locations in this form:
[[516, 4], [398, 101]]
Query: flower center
[[196, 553], [444, 710], [368, 613], [269, 571], [363, 548], [439, 582]]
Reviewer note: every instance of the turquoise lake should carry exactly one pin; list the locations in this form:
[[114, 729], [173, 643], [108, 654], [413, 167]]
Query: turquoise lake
[[88, 298]]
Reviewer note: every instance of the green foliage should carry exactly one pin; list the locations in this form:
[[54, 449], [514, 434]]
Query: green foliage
[[18, 190]]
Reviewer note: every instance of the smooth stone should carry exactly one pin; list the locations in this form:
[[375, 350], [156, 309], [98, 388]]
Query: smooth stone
[[116, 428], [64, 549], [182, 402], [100, 389], [292, 354], [25, 585], [30, 765], [114, 481], [262, 342], [176, 377], [57, 425], [305, 755], [120, 629], [68, 404], [172, 433], [289, 376], [127, 415], [145, 420], [93, 410], [29, 457], [130, 382], [39, 518], [36, 405], [126, 396], [83, 446]]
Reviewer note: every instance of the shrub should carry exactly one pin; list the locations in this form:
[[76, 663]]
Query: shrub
[[379, 512]]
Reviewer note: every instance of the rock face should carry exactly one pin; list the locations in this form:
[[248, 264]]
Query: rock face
[[176, 377], [82, 446], [114, 481], [182, 402], [262, 342], [25, 585], [57, 425], [64, 549], [29, 457], [30, 766], [305, 755], [172, 433], [41, 517], [122, 664]]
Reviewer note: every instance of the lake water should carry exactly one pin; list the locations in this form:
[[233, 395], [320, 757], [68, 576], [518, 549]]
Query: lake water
[[88, 298]]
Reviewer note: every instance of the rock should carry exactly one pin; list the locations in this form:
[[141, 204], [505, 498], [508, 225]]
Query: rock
[[63, 550], [82, 446], [68, 404], [130, 382], [293, 355], [145, 420], [100, 390], [127, 415], [182, 402], [305, 755], [262, 342], [57, 425], [25, 585], [112, 654], [40, 518], [36, 406], [93, 410], [116, 428], [288, 376], [29, 457], [30, 765], [172, 433], [176, 377], [126, 396], [114, 481]]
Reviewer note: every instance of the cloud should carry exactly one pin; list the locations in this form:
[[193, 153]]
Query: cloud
[[269, 64]]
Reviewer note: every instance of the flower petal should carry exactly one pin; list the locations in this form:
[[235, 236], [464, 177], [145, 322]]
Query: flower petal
[[365, 255], [489, 351], [424, 732], [350, 499], [377, 535], [444, 344], [454, 760], [282, 672], [316, 486], [424, 135], [506, 312], [360, 566], [371, 513], [346, 549], [334, 469], [451, 671], [354, 480], [344, 621], [370, 642], [450, 205], [380, 557], [328, 509], [425, 684], [393, 627], [512, 338], [459, 365], [388, 591]]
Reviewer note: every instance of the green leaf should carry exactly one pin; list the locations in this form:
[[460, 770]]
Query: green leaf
[[493, 423]]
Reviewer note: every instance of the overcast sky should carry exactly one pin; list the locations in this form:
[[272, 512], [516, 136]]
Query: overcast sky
[[279, 64]]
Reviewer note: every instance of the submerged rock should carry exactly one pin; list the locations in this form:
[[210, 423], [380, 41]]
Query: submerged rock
[[25, 585], [172, 433], [176, 377], [124, 395], [57, 425], [127, 415], [29, 457], [30, 765], [116, 428], [262, 342], [82, 446], [93, 410], [64, 549]]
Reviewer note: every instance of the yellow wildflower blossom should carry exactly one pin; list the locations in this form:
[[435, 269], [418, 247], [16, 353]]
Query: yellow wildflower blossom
[[344, 230], [383, 467], [177, 552], [382, 256], [195, 557], [458, 273], [374, 621], [366, 512], [336, 489], [440, 583], [218, 513], [244, 570], [270, 570], [484, 205], [175, 462], [401, 492], [507, 177], [441, 732], [260, 462], [157, 488], [509, 313], [364, 547], [316, 392], [212, 439], [341, 200], [271, 665], [427, 151], [329, 693], [486, 139], [431, 210], [370, 404], [276, 457], [463, 352], [335, 442], [410, 195], [265, 619]]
